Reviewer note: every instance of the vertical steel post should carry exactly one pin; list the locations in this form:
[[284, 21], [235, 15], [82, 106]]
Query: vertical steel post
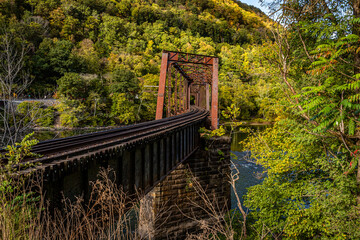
[[148, 166], [169, 92], [156, 161], [139, 168], [162, 83], [184, 93], [173, 150], [162, 153], [207, 96], [168, 154], [214, 95], [176, 93], [128, 171], [177, 144], [181, 143], [181, 92], [188, 96]]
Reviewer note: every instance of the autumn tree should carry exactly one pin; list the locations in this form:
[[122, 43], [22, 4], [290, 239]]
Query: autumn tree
[[311, 155]]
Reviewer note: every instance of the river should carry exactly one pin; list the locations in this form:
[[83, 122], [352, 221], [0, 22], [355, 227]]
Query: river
[[249, 171]]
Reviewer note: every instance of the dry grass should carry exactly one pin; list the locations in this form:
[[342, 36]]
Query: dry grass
[[107, 215], [219, 223]]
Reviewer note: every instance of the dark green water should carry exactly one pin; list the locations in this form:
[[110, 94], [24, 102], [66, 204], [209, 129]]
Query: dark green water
[[248, 170]]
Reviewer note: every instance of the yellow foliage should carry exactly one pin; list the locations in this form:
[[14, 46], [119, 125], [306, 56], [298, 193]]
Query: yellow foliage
[[113, 60], [277, 150]]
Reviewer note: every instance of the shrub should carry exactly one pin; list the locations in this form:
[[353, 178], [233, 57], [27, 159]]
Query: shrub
[[36, 114]]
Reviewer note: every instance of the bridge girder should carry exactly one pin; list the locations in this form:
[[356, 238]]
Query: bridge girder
[[183, 75]]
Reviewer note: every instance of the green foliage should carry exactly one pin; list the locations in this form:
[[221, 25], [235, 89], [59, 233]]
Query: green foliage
[[120, 44], [72, 113], [72, 86], [244, 71], [53, 58], [148, 100], [231, 112], [311, 188], [124, 81], [123, 110], [35, 113], [212, 133], [84, 100], [15, 154], [17, 206], [305, 194]]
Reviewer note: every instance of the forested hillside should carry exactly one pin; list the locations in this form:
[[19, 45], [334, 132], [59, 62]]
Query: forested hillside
[[302, 70], [91, 54]]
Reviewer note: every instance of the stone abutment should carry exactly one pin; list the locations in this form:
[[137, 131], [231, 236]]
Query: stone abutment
[[191, 195]]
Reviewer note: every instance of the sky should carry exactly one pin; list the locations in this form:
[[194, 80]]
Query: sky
[[255, 3]]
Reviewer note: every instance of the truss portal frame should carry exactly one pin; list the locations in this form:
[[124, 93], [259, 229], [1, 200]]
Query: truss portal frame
[[183, 75]]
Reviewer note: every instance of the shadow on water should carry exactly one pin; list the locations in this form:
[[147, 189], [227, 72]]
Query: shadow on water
[[249, 171]]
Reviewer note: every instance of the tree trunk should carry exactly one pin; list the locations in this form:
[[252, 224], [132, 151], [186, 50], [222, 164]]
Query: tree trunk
[[356, 30]]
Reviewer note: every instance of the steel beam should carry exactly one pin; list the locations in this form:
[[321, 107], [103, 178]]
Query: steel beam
[[173, 150], [156, 161], [168, 154], [139, 168], [214, 95], [207, 96], [188, 96], [162, 151], [162, 83], [148, 166]]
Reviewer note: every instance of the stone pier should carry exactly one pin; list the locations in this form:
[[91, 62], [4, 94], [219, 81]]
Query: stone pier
[[177, 205]]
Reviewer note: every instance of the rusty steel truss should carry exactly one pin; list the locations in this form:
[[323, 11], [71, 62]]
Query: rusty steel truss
[[185, 76]]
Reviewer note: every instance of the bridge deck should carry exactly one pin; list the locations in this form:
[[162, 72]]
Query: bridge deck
[[141, 155]]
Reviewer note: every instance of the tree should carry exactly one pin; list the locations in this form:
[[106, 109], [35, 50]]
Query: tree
[[72, 86], [13, 81], [53, 59], [124, 81], [313, 175]]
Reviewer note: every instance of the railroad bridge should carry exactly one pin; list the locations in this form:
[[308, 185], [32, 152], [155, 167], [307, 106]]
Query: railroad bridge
[[155, 158]]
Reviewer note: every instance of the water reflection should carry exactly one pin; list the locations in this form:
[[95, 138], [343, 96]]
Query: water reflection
[[249, 172]]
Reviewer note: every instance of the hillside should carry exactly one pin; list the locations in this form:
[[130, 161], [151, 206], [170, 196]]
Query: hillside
[[92, 53]]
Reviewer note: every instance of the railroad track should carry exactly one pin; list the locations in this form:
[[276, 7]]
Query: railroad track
[[64, 148]]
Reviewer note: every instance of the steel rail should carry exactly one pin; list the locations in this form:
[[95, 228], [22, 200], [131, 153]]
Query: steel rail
[[90, 139], [101, 142], [49, 160], [48, 143]]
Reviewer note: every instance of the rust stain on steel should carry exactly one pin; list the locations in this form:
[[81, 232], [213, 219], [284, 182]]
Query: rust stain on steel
[[162, 82], [214, 95]]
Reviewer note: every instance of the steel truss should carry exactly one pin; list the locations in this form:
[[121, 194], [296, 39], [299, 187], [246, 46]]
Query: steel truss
[[185, 76]]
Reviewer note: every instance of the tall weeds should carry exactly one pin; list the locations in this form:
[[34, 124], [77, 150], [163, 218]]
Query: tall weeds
[[219, 223], [24, 213]]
